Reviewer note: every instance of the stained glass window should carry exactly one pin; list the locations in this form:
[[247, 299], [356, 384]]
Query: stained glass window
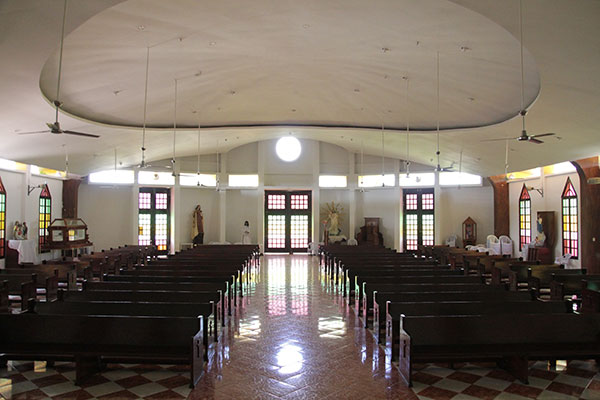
[[524, 218], [412, 231], [276, 231], [299, 201], [299, 231], [144, 229], [153, 220], [276, 202], [419, 227], [428, 231], [145, 200], [161, 201], [45, 216], [570, 231], [161, 232], [2, 220], [427, 200], [411, 201]]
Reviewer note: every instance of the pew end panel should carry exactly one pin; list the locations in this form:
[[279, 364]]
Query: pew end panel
[[404, 358]]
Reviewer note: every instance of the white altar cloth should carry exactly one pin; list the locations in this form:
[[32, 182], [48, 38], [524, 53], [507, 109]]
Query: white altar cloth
[[27, 250]]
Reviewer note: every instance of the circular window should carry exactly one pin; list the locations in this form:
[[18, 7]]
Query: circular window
[[288, 148]]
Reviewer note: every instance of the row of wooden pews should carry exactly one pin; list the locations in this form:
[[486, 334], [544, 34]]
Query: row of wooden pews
[[25, 281], [449, 305], [149, 310]]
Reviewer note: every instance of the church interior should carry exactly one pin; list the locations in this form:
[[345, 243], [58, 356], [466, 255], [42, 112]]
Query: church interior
[[258, 174]]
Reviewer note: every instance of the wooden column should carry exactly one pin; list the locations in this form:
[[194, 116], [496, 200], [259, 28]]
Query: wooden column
[[70, 192], [501, 206], [589, 215]]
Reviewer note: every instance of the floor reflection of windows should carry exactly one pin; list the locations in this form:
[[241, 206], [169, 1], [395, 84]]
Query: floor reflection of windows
[[276, 297], [299, 286], [290, 358], [332, 327], [249, 327]]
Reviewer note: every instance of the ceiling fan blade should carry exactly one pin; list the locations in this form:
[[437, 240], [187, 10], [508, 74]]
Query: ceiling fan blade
[[534, 140], [81, 134], [30, 133], [498, 139], [543, 134]]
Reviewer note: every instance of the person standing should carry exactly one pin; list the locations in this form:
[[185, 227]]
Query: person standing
[[246, 233]]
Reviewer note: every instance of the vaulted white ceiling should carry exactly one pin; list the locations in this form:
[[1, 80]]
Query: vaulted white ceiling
[[330, 70]]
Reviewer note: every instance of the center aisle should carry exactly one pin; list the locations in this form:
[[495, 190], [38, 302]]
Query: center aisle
[[295, 339]]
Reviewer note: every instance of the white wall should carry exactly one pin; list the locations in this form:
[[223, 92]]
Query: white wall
[[456, 205], [240, 208], [551, 201], [382, 203], [107, 211]]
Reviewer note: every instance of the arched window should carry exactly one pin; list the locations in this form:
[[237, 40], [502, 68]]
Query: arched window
[[569, 220], [2, 220], [524, 218], [45, 216]]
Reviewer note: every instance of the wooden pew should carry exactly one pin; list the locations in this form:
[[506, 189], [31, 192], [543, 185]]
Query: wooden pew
[[563, 285], [363, 291], [539, 277], [23, 287], [207, 310], [4, 305], [152, 296], [491, 305], [351, 274], [510, 339], [65, 274], [500, 269], [94, 339]]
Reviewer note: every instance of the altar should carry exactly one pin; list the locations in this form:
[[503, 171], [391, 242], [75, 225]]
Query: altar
[[27, 250]]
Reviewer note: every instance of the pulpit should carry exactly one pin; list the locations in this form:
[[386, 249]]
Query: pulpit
[[369, 233]]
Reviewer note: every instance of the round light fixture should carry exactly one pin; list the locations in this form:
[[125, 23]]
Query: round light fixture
[[288, 148]]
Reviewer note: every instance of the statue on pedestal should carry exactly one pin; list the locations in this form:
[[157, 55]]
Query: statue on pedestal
[[20, 231], [333, 212], [198, 226]]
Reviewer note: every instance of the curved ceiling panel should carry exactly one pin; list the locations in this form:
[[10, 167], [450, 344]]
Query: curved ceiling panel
[[315, 62]]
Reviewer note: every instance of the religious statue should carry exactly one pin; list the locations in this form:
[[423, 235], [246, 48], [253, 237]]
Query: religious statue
[[540, 238], [20, 231], [334, 217], [198, 226], [246, 233]]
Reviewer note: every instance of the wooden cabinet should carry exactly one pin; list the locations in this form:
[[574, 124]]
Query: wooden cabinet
[[369, 233]]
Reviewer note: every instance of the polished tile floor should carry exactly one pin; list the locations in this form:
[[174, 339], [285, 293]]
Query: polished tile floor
[[294, 338]]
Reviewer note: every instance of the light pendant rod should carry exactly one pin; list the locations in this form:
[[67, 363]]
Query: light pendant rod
[[60, 59], [145, 105], [523, 112], [438, 111], [115, 159], [506, 159], [174, 125], [66, 160], [198, 159], [407, 131], [382, 153]]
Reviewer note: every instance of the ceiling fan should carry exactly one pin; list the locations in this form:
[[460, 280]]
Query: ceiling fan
[[54, 127], [524, 137]]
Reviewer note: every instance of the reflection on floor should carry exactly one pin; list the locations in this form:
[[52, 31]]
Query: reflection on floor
[[294, 338]]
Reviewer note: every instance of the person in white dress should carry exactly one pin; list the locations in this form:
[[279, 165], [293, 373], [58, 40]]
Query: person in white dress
[[246, 233]]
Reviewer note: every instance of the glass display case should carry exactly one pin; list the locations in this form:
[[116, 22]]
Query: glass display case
[[67, 233]]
